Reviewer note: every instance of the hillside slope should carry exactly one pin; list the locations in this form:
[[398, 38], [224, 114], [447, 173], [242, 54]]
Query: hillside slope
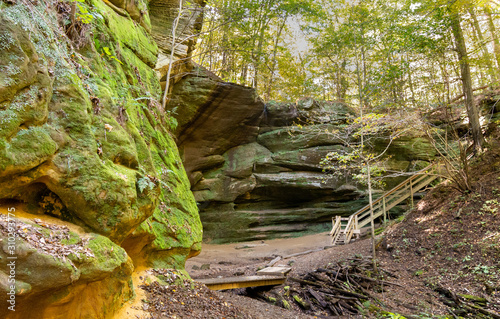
[[451, 241]]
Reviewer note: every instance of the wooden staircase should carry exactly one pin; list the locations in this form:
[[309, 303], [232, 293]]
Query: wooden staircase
[[344, 228]]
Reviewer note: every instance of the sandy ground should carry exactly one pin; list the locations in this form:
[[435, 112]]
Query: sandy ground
[[254, 252], [302, 254]]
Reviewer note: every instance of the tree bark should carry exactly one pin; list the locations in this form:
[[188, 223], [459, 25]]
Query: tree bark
[[367, 163], [446, 78], [472, 113], [172, 50], [410, 81], [272, 68], [496, 42], [372, 223], [482, 43]]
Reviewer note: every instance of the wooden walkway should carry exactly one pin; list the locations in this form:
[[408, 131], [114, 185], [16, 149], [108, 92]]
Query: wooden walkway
[[270, 276], [344, 228], [242, 282]]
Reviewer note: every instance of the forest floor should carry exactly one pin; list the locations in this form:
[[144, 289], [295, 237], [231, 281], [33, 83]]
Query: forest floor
[[443, 258]]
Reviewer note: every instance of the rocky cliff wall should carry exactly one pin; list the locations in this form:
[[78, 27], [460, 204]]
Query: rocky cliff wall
[[256, 175], [89, 171]]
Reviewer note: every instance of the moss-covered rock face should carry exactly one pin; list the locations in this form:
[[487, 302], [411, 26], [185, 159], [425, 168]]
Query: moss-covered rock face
[[255, 169], [162, 14], [84, 139], [49, 258]]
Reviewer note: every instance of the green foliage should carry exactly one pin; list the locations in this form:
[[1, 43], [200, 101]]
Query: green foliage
[[359, 159], [482, 269], [391, 54], [107, 51], [83, 14], [490, 206], [145, 183], [250, 44]]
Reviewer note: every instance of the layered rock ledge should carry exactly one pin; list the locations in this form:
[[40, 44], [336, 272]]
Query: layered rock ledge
[[89, 170], [255, 168]]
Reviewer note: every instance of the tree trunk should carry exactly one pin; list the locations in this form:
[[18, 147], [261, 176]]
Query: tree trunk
[[410, 83], [272, 68], [477, 135], [496, 42], [344, 84], [446, 79], [244, 72], [372, 224], [482, 43], [367, 163], [172, 50]]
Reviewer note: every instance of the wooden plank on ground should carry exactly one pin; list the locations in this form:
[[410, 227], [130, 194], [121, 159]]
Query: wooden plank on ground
[[274, 271], [303, 253], [242, 282], [274, 261]]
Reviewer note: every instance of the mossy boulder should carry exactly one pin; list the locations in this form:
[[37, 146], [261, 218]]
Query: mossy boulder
[[240, 160], [83, 139], [308, 159], [293, 138], [46, 259], [270, 182], [305, 110]]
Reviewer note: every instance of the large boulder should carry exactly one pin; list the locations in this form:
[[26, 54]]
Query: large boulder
[[293, 138], [84, 142], [265, 180], [59, 259], [305, 110], [213, 117]]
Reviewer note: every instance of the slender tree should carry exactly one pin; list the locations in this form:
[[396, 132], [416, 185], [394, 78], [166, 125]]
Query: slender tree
[[482, 43], [172, 51], [472, 112]]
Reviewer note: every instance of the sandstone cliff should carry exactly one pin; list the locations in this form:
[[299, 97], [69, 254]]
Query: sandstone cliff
[[256, 175], [88, 168]]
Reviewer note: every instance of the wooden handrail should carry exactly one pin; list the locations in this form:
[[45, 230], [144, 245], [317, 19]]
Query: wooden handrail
[[335, 225], [336, 229], [394, 201], [348, 230], [399, 186], [383, 204]]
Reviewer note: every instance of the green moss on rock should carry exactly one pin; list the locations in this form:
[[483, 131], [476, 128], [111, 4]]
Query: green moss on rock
[[86, 126]]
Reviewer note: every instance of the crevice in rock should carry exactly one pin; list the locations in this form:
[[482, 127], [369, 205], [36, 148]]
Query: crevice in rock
[[217, 93], [41, 201]]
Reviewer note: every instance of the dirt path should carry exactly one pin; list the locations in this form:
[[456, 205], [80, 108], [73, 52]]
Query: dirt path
[[246, 258], [257, 251], [305, 254], [302, 254]]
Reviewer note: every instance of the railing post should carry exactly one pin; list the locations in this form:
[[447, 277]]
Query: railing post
[[411, 192], [383, 207], [356, 225]]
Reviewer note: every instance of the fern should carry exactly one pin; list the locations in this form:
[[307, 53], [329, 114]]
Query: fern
[[145, 183]]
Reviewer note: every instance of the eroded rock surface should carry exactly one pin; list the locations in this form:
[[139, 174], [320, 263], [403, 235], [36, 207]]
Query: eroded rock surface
[[255, 169], [84, 141]]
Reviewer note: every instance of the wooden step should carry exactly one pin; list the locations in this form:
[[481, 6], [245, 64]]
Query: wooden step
[[274, 271], [342, 230], [242, 282]]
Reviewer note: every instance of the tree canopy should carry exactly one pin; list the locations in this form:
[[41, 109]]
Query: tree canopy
[[396, 53]]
